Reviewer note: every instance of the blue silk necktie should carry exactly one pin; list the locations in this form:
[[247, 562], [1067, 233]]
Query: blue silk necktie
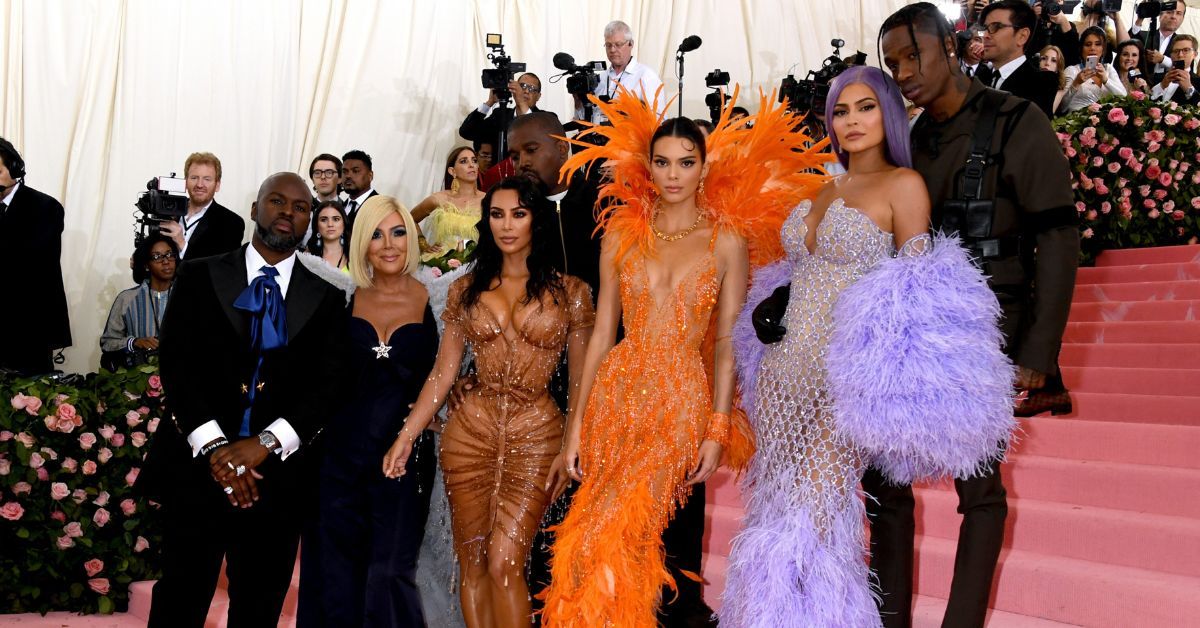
[[268, 327]]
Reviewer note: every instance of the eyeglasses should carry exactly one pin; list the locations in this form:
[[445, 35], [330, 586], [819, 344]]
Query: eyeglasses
[[996, 27], [158, 257], [324, 174], [529, 88], [1182, 51], [616, 46]]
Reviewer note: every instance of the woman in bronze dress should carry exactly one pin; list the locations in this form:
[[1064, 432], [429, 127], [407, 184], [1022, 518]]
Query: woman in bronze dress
[[518, 314]]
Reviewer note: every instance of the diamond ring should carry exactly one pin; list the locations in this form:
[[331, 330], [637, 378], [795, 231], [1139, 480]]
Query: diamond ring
[[241, 468], [228, 490]]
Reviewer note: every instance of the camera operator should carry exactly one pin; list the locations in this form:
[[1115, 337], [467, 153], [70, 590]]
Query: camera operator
[[1008, 26], [483, 125], [623, 69], [1179, 83], [34, 316], [1055, 29], [208, 228], [1158, 42]]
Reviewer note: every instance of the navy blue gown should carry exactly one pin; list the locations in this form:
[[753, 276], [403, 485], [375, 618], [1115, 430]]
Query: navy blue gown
[[360, 565]]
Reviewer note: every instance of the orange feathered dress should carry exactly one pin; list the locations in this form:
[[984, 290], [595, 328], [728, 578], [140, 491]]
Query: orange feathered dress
[[651, 400]]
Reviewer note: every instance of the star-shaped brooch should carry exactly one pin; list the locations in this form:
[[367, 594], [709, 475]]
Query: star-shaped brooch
[[381, 351]]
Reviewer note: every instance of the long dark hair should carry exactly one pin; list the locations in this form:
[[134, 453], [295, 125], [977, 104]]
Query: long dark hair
[[316, 245], [543, 276], [1143, 66], [141, 256], [448, 178], [1096, 31]]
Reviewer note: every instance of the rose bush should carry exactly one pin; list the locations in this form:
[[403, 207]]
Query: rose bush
[[73, 532]]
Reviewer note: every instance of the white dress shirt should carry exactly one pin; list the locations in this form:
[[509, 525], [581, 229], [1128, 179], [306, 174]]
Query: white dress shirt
[[188, 225], [1164, 47], [11, 193], [358, 201], [289, 440], [636, 77]]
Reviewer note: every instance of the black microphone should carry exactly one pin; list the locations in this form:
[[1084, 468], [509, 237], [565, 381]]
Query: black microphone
[[564, 62], [690, 43]]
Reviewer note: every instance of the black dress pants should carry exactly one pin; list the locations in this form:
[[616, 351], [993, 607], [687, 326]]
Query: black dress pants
[[683, 541]]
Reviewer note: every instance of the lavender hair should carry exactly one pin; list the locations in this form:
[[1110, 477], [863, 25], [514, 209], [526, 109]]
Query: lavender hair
[[895, 116]]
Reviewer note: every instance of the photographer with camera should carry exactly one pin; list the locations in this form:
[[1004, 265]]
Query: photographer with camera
[[208, 228], [623, 69], [35, 315], [1055, 29], [131, 333], [484, 124], [970, 55], [1008, 26], [1169, 17], [1179, 83]]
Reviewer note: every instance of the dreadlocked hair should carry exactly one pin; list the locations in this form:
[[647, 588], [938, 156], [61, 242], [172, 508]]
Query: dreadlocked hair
[[923, 16]]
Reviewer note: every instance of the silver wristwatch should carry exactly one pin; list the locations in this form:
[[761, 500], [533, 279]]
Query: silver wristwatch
[[268, 440]]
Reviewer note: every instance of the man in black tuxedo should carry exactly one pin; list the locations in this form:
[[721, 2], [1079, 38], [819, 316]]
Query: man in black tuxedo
[[1179, 83], [246, 399], [1159, 42], [209, 228], [35, 314], [357, 174], [485, 123], [1008, 26]]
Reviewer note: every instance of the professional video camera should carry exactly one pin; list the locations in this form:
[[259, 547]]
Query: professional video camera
[[498, 78], [1052, 9], [581, 79], [1154, 8], [165, 199], [715, 80], [1104, 9], [809, 94]]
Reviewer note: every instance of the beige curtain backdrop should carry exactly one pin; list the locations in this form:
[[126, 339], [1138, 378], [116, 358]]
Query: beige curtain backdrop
[[101, 95]]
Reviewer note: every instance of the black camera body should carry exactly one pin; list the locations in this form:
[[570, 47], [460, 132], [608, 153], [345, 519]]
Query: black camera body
[[809, 93], [1053, 8], [1154, 8], [1105, 8], [497, 78], [584, 79], [715, 80], [165, 200]]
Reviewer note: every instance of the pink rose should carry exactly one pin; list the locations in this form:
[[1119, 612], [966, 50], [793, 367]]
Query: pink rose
[[51, 422], [93, 567], [102, 499], [1094, 120], [1196, 177], [89, 467], [132, 418], [117, 440], [21, 487], [12, 511], [5, 466], [73, 530], [66, 412], [79, 496], [141, 544], [1114, 167], [60, 398], [65, 542], [1160, 194], [1153, 147], [1156, 136], [1101, 189], [1126, 206], [1085, 182], [131, 477], [1192, 124], [1070, 152], [152, 426], [1105, 148], [1094, 107], [1143, 190], [138, 439], [26, 439], [1165, 179], [42, 474], [107, 431], [104, 455], [154, 381], [1171, 119], [1173, 164], [454, 263], [1183, 167], [1152, 171], [1138, 122], [100, 407], [59, 491], [1138, 95], [128, 506], [1155, 112], [436, 272], [143, 410], [1152, 214], [69, 465], [1091, 214], [153, 392], [87, 440], [58, 516], [1117, 115], [6, 436], [1177, 214], [1079, 206], [32, 405], [1105, 207], [50, 453], [1097, 162], [1196, 202], [101, 517], [99, 585], [1087, 233], [36, 460]]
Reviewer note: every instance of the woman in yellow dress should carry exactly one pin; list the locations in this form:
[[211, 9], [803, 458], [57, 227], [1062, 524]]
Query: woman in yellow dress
[[447, 218]]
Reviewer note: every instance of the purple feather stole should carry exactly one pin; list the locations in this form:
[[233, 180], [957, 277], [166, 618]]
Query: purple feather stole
[[916, 370]]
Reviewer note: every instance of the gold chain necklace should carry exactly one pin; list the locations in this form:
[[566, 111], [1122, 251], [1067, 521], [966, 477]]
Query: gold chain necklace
[[679, 235]]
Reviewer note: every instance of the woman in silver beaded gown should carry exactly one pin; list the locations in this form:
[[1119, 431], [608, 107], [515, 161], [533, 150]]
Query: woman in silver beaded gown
[[799, 558]]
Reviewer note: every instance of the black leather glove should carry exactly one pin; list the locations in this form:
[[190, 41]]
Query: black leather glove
[[768, 314]]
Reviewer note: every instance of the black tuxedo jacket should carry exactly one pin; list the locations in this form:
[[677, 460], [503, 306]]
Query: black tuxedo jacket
[[220, 231], [1033, 84], [983, 72], [207, 364], [1180, 96], [478, 129], [1151, 40], [577, 251], [350, 216], [31, 275]]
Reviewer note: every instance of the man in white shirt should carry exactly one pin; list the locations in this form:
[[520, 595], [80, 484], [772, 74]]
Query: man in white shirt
[[357, 175], [624, 70], [1158, 43], [1179, 83], [250, 356], [208, 228]]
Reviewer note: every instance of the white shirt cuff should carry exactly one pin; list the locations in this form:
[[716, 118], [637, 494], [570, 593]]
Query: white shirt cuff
[[485, 109], [204, 435], [289, 440]]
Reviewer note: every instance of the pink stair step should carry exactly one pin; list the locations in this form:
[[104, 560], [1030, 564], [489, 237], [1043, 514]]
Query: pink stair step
[[60, 619], [1138, 273], [1150, 255], [1070, 590], [1174, 355], [1111, 441], [928, 612], [1102, 535], [1180, 310], [139, 599], [1143, 291], [1134, 332], [1136, 381], [722, 489], [1133, 487], [1166, 410], [722, 524], [713, 570]]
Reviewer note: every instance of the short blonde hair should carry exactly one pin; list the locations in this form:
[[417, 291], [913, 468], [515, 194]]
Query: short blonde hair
[[202, 159], [373, 211]]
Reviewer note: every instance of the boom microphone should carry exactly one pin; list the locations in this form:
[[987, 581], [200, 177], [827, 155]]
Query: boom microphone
[[564, 62], [690, 43]]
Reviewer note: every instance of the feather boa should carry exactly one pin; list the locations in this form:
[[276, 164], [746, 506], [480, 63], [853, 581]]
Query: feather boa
[[916, 372], [331, 275]]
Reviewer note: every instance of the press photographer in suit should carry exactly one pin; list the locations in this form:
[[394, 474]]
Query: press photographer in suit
[[1008, 26], [208, 228], [246, 399], [35, 316]]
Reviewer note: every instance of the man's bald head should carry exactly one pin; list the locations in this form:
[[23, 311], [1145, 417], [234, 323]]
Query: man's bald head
[[535, 151], [279, 178], [542, 122], [281, 214]]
